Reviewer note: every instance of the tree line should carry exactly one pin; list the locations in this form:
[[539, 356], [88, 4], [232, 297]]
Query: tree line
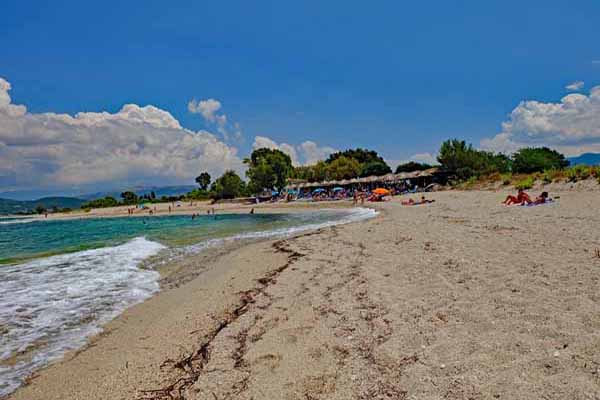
[[462, 161], [270, 169]]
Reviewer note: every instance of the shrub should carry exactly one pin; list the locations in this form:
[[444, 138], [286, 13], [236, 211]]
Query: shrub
[[578, 173], [552, 175], [526, 183], [506, 178]]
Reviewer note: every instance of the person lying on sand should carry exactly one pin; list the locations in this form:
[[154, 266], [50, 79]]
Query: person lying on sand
[[520, 198], [541, 199], [411, 202]]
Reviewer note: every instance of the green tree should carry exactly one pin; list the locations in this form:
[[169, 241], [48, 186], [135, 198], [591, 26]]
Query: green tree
[[107, 201], [537, 159], [376, 168], [412, 166], [363, 156], [312, 173], [228, 186], [268, 169], [203, 180], [462, 160], [343, 168], [129, 198]]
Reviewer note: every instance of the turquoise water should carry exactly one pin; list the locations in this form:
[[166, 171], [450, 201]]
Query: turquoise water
[[61, 280], [22, 239]]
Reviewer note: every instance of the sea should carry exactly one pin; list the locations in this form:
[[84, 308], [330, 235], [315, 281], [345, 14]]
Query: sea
[[61, 280]]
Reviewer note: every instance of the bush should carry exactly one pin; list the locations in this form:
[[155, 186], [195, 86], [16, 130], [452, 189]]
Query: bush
[[471, 181], [526, 183], [552, 175], [506, 178], [578, 173]]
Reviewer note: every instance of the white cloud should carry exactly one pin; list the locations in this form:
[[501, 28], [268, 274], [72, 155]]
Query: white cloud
[[426, 158], [306, 153], [312, 152], [571, 126], [134, 145], [208, 109], [575, 86]]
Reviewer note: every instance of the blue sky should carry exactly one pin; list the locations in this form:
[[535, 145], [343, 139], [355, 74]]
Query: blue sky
[[397, 77]]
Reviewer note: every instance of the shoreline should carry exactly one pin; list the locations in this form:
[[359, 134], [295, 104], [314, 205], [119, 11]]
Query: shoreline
[[179, 271], [198, 208], [461, 298]]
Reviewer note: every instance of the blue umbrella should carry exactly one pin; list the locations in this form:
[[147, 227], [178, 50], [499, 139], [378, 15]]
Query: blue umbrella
[[319, 190], [338, 189]]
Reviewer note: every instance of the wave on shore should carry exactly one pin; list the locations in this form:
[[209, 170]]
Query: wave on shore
[[51, 305]]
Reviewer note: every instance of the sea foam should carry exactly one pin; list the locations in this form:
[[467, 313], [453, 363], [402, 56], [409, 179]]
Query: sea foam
[[52, 305]]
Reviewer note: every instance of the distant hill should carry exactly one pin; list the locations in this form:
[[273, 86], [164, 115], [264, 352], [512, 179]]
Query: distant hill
[[586, 158], [159, 191], [8, 206]]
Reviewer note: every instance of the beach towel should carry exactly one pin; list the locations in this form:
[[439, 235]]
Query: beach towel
[[548, 201]]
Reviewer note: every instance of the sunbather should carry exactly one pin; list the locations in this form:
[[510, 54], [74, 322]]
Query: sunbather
[[411, 202], [541, 199], [520, 198]]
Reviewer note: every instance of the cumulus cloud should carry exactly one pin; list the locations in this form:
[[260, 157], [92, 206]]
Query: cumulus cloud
[[306, 153], [571, 126], [424, 158], [575, 86], [208, 109], [134, 145]]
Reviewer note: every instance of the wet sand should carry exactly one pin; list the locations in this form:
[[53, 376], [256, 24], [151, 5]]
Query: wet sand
[[460, 299]]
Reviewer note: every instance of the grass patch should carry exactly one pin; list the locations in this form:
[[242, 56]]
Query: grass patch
[[526, 183], [578, 173]]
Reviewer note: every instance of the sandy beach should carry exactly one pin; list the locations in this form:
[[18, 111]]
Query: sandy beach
[[459, 299]]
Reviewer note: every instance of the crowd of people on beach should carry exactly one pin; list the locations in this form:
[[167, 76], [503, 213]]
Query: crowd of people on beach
[[358, 196]]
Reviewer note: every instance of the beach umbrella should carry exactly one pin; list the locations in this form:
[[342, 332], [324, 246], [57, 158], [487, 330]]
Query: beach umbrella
[[381, 191], [319, 190], [338, 189]]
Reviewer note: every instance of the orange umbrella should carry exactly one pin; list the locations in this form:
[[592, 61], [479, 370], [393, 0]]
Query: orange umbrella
[[381, 191]]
